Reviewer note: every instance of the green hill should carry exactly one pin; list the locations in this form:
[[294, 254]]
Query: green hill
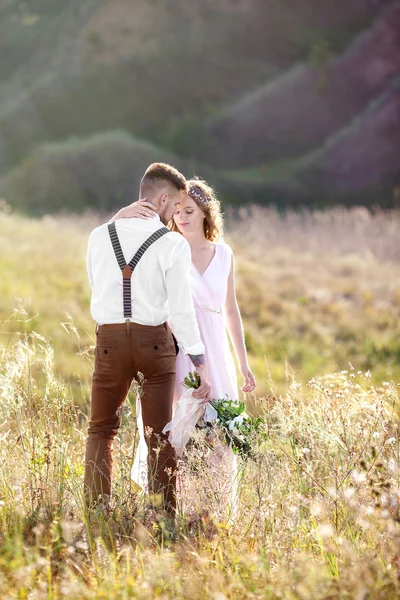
[[99, 172]]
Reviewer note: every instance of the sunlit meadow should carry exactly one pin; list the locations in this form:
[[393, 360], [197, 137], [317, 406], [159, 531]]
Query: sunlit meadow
[[318, 506]]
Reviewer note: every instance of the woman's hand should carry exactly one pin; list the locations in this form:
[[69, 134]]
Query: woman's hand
[[139, 210], [249, 379]]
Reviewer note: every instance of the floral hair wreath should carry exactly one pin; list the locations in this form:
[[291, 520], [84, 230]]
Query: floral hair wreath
[[196, 192]]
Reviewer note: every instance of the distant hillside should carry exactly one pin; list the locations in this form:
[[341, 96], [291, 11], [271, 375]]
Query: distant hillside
[[364, 156], [360, 163], [232, 89], [297, 111]]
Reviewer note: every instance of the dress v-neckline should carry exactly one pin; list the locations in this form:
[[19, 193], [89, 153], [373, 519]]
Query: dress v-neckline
[[209, 264]]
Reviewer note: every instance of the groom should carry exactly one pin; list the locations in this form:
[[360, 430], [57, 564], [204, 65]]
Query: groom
[[131, 302]]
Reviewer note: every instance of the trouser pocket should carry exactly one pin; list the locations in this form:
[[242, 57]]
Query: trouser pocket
[[105, 355], [175, 344]]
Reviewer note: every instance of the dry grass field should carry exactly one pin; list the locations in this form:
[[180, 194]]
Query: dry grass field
[[318, 507], [317, 290]]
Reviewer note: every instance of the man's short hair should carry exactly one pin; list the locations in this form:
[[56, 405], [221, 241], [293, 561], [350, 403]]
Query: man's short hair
[[160, 174]]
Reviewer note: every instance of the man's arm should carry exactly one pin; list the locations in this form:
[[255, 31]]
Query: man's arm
[[183, 315], [198, 359], [89, 265], [179, 291]]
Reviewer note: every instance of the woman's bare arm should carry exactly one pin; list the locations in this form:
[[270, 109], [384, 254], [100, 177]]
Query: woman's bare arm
[[141, 209], [236, 333]]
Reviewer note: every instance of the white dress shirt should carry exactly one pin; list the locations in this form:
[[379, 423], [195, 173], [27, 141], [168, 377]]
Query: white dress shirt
[[160, 283]]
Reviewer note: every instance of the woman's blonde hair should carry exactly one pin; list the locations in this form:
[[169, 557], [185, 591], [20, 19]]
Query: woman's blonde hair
[[206, 199]]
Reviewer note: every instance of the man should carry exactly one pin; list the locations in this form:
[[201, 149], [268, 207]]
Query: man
[[131, 304]]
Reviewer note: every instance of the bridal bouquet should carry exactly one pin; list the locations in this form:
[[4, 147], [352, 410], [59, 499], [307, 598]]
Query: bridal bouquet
[[239, 428]]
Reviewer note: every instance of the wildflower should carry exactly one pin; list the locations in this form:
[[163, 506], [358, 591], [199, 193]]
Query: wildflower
[[306, 450], [123, 410], [81, 545], [148, 431], [358, 477], [326, 530], [368, 374]]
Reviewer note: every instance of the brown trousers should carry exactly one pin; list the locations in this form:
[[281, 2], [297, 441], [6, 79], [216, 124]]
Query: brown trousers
[[122, 351]]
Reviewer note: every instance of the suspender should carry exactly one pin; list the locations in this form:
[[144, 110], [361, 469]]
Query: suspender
[[127, 269]]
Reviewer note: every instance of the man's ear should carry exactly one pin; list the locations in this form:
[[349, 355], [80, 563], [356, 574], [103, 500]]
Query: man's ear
[[163, 198]]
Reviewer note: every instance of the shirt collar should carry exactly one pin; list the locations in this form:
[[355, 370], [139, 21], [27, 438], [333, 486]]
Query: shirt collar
[[136, 223]]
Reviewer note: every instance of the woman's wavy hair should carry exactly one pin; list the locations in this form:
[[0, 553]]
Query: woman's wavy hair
[[206, 199]]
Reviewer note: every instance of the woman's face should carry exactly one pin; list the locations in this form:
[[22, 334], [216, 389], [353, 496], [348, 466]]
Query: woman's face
[[188, 216]]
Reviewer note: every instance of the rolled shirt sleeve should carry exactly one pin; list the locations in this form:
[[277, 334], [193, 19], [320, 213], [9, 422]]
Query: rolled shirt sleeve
[[182, 311]]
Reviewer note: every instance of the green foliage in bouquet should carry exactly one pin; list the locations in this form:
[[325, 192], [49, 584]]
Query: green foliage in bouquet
[[240, 429], [192, 380]]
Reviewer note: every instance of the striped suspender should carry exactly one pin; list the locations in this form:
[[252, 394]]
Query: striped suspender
[[127, 269]]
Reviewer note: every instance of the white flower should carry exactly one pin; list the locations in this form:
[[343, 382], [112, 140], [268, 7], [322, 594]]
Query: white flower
[[236, 421], [305, 450], [358, 477]]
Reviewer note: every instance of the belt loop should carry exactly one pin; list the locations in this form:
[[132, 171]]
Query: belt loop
[[128, 328], [97, 328]]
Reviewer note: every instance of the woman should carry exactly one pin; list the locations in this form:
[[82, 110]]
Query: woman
[[198, 218]]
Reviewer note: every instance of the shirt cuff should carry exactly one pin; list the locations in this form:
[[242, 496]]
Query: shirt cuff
[[194, 350]]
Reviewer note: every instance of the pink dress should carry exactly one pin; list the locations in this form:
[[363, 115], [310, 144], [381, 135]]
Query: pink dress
[[209, 293], [214, 487]]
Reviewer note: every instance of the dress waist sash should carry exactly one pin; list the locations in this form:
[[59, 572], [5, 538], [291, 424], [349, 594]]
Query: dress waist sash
[[218, 312]]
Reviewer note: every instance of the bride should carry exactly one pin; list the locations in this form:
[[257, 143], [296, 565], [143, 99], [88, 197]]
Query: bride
[[198, 218]]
